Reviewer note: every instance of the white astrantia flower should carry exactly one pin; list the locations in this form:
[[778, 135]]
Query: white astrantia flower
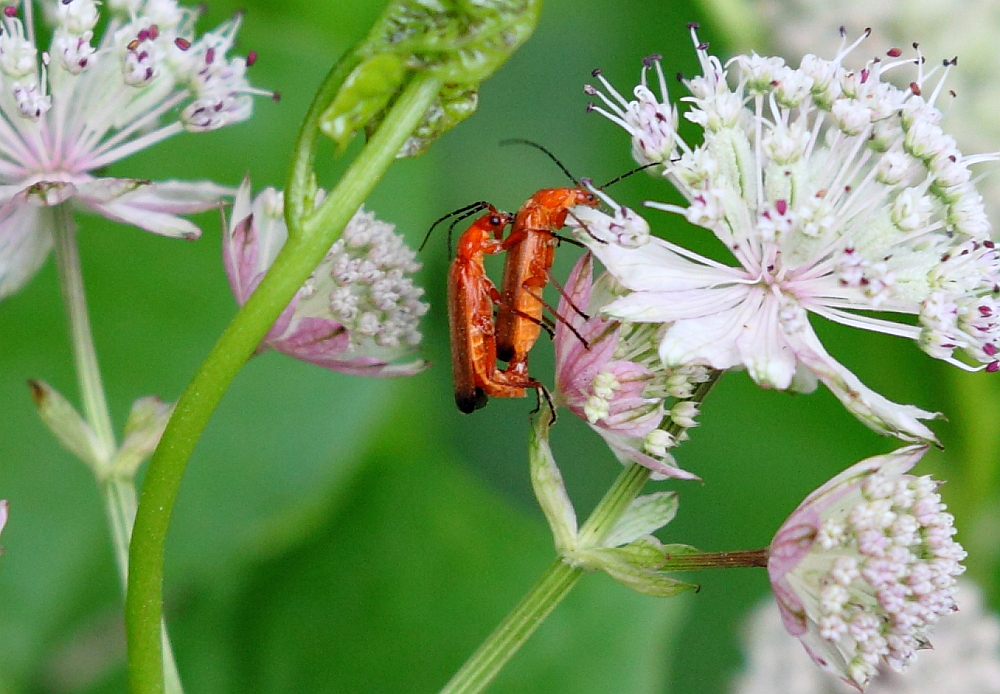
[[357, 313], [838, 194], [965, 658], [866, 565], [87, 102]]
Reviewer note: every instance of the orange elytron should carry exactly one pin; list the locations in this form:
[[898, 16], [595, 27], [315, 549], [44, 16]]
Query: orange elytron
[[530, 251], [471, 299]]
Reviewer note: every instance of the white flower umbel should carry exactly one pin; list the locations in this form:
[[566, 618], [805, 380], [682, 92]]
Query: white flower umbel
[[357, 313], [965, 657], [838, 194], [865, 565], [85, 103]]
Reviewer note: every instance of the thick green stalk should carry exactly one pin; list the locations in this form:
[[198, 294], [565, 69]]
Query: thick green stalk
[[299, 257]]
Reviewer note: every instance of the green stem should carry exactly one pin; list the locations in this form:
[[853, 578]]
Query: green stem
[[298, 258], [554, 585], [740, 559], [88, 374], [480, 669], [119, 494]]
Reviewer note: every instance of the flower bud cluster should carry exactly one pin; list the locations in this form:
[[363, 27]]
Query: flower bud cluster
[[356, 313], [609, 374], [866, 565], [373, 295], [965, 657]]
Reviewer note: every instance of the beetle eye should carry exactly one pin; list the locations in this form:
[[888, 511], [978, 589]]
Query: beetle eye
[[495, 220]]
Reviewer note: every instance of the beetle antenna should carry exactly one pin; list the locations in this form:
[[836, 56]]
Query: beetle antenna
[[464, 212], [628, 173], [518, 141]]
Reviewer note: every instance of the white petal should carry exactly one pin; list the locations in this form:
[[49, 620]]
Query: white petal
[[879, 413], [655, 266], [709, 341], [156, 222], [25, 242], [763, 347], [178, 197], [667, 307], [152, 206]]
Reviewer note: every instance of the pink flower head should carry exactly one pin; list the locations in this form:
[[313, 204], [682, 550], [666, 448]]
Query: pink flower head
[[865, 565], [837, 194], [76, 107], [608, 374], [357, 313]]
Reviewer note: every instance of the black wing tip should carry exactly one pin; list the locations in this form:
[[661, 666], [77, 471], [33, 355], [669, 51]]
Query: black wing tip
[[470, 402]]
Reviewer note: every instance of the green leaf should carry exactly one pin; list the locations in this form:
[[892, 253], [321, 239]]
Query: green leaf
[[69, 427], [364, 94], [652, 583], [678, 550], [645, 515], [459, 42], [143, 430]]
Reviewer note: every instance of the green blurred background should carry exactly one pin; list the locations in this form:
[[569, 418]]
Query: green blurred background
[[335, 534]]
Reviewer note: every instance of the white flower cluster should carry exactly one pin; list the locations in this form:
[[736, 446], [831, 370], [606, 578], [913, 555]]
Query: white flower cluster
[[881, 571], [357, 313], [373, 295], [86, 103], [965, 657], [149, 46], [815, 166]]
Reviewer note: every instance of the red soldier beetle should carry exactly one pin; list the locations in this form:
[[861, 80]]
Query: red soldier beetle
[[471, 299], [530, 253]]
